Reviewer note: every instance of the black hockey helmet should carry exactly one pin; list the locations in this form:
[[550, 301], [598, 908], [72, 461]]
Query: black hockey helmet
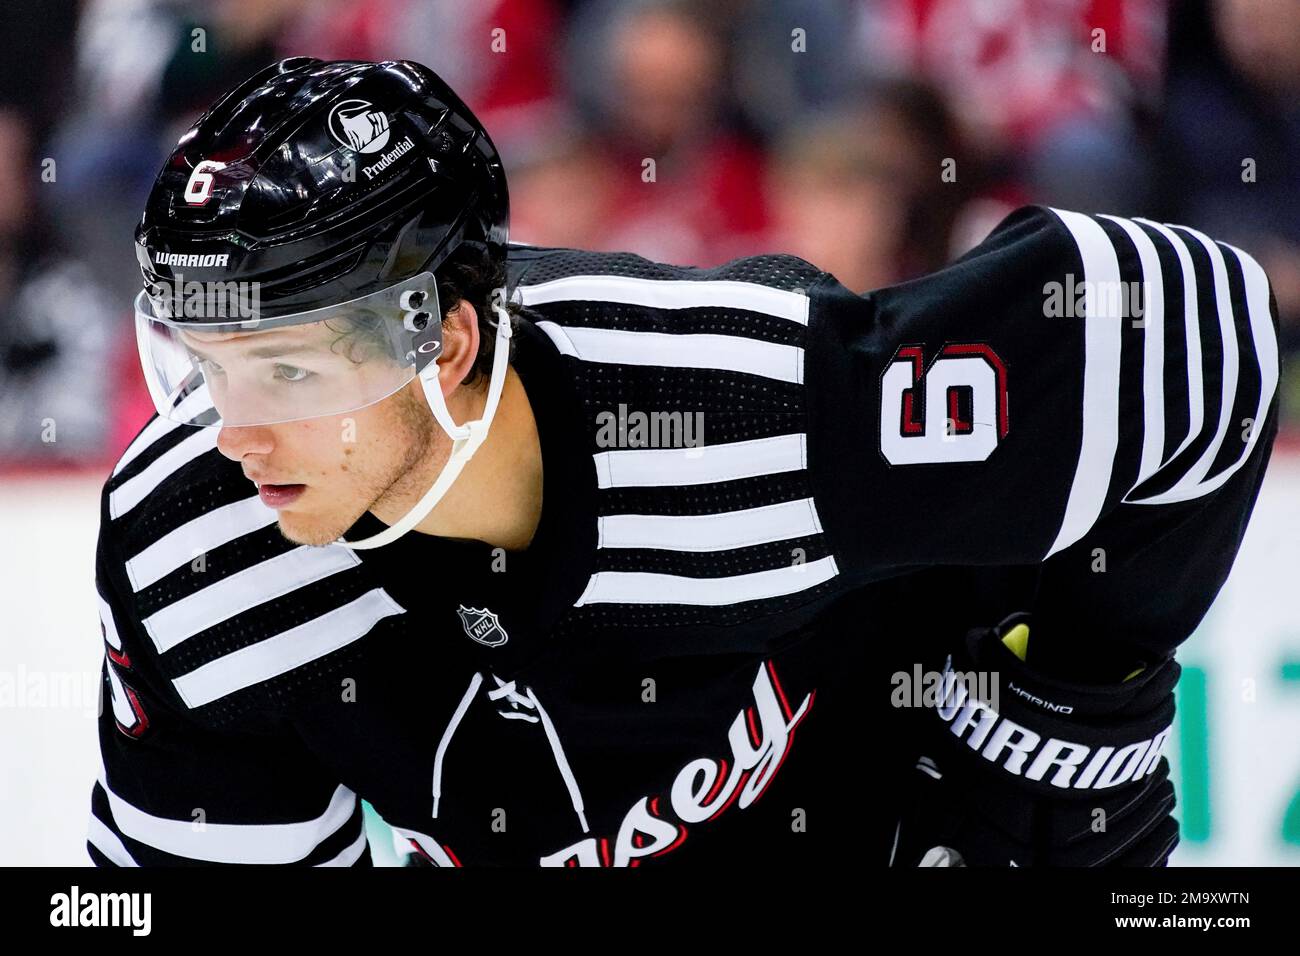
[[313, 193], [325, 181]]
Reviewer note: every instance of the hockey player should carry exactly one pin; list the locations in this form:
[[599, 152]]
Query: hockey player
[[567, 558]]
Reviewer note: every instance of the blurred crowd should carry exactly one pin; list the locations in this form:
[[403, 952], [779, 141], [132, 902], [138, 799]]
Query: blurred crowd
[[878, 139]]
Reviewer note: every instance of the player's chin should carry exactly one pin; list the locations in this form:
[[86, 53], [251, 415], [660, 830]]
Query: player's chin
[[312, 530]]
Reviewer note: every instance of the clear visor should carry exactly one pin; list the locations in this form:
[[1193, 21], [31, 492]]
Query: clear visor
[[262, 371]]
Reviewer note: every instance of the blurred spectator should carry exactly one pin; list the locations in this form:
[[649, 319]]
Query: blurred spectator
[[217, 44], [498, 55], [112, 140], [1234, 96], [860, 194], [58, 347], [651, 75], [1047, 88], [562, 190], [791, 59]]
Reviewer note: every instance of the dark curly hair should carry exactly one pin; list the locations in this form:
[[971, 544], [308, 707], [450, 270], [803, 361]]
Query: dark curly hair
[[470, 274]]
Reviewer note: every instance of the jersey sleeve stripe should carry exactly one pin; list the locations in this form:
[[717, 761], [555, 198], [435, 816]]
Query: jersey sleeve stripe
[[108, 843], [724, 352], [1101, 379], [203, 534], [1189, 484], [158, 427], [670, 467], [1153, 344], [266, 843], [631, 587], [110, 625], [135, 489], [254, 585], [350, 854], [716, 532], [1192, 340], [1263, 339], [283, 652], [1265, 346], [671, 294], [152, 432], [562, 342]]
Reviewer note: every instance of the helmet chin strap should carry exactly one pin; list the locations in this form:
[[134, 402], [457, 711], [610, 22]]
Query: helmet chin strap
[[466, 438]]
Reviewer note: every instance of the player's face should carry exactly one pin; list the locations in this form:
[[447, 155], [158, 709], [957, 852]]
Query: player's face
[[322, 474]]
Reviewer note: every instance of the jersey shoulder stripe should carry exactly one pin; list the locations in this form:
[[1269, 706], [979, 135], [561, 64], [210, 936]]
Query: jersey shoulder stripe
[[723, 528]]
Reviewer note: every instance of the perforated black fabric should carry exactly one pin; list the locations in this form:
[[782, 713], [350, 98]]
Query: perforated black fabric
[[783, 272]]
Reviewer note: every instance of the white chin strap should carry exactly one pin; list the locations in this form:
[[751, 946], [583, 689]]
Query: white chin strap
[[466, 438]]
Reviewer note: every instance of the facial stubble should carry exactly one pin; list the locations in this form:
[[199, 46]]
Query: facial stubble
[[410, 426]]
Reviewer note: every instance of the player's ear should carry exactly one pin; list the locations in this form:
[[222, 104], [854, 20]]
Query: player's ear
[[460, 341]]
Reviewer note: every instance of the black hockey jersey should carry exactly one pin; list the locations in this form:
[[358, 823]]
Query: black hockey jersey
[[685, 665]]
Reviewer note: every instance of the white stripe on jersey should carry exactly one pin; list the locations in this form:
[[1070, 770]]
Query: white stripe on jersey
[[1192, 337], [107, 842], [1153, 345], [283, 652], [670, 467], [667, 468], [637, 587], [110, 625], [245, 589], [1100, 425], [232, 842], [156, 429], [351, 853], [122, 711], [159, 426], [1187, 485], [1264, 339], [135, 489], [711, 532], [724, 352], [1102, 364], [671, 294], [205, 533]]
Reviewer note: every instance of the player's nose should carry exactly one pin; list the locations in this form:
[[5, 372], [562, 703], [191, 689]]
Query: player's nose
[[237, 441]]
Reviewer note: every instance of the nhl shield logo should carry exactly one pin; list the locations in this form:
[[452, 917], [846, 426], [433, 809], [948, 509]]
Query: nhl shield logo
[[482, 625]]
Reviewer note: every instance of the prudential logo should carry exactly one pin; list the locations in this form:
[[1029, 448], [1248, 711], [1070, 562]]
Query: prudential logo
[[357, 125]]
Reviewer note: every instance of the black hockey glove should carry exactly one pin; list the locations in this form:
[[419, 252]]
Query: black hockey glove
[[1024, 770]]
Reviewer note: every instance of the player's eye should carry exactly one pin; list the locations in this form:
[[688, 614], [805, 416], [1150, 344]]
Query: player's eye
[[291, 373], [210, 367]]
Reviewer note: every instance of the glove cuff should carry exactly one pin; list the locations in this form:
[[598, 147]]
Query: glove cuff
[[1049, 736]]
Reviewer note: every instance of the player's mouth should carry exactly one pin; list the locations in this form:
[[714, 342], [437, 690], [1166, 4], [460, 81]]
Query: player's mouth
[[280, 496]]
